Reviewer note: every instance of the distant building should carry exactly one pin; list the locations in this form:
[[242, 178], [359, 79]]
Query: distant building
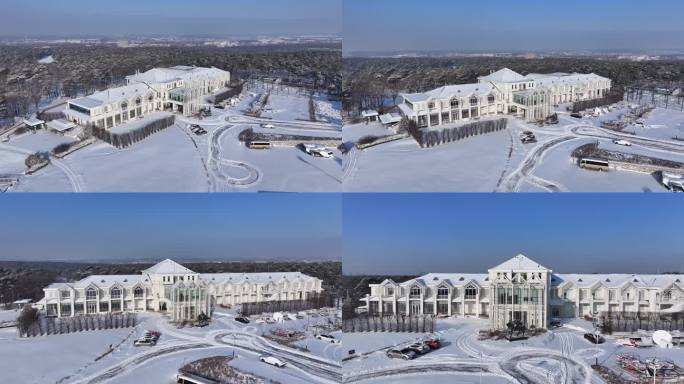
[[521, 289], [171, 288], [504, 92], [178, 89]]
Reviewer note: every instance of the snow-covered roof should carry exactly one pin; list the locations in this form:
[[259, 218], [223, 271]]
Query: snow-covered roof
[[32, 121], [23, 301], [369, 113], [520, 262], [448, 91], [618, 280], [259, 277], [167, 266], [549, 80], [504, 75], [455, 279], [390, 118], [165, 75], [102, 281], [112, 95], [60, 125]]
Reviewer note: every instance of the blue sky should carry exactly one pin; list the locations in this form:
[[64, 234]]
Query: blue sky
[[180, 226], [391, 25], [170, 17], [582, 233]]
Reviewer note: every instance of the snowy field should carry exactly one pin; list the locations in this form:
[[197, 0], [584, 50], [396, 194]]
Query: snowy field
[[500, 162], [177, 160], [560, 355], [177, 346]]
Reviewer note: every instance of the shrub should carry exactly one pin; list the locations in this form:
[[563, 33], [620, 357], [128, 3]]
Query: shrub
[[61, 148], [367, 139]]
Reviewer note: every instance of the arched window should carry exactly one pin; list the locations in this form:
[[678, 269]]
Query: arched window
[[91, 294], [442, 292], [470, 292], [473, 100], [115, 293], [124, 105], [138, 101], [491, 99], [454, 103], [415, 291], [138, 292]]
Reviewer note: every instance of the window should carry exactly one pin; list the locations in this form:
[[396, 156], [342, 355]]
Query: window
[[65, 294], [470, 293], [390, 291], [138, 101], [91, 294], [667, 295], [473, 100], [124, 105], [454, 103], [431, 105], [415, 292], [442, 292], [116, 293], [491, 99], [138, 292]]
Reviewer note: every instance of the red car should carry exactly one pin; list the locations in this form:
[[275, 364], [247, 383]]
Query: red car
[[432, 343]]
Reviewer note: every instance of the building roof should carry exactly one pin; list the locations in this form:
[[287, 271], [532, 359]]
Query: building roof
[[102, 281], [32, 121], [259, 277], [167, 266], [369, 113], [60, 125], [616, 280], [455, 279], [448, 91], [390, 118], [112, 95], [520, 262], [504, 75], [549, 80], [180, 72]]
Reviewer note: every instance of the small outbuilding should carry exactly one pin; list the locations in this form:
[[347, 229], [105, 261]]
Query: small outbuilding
[[34, 123], [60, 125], [390, 119], [370, 115]]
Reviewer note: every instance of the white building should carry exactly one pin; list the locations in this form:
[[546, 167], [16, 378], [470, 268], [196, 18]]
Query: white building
[[503, 92], [169, 287], [178, 89], [522, 289]]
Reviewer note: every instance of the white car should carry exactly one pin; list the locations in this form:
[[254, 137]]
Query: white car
[[260, 321], [268, 126], [272, 361], [328, 338], [622, 142]]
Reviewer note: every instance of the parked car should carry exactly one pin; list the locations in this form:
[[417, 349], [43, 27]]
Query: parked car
[[594, 338], [419, 348], [272, 361], [528, 139], [405, 354], [260, 321], [433, 343], [268, 125], [145, 341], [242, 320], [328, 338], [555, 323], [218, 106], [576, 115], [622, 142]]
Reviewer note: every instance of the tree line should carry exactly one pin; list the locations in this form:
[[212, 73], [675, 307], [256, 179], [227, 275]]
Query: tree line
[[30, 323], [389, 323]]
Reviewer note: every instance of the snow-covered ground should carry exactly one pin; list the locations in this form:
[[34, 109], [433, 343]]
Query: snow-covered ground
[[70, 358], [500, 162], [177, 160], [560, 355]]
